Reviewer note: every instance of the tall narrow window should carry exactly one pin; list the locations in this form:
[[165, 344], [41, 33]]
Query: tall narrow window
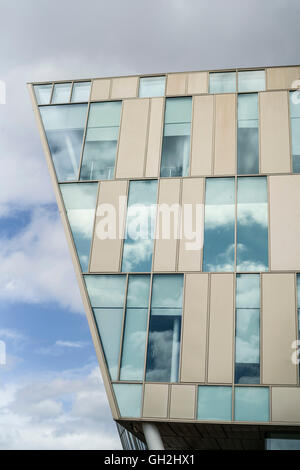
[[219, 226], [140, 225], [134, 342], [295, 129], [107, 294], [164, 329], [64, 127], [248, 134], [175, 159], [252, 224], [101, 141], [222, 82], [61, 93], [43, 93], [247, 356], [80, 203], [152, 86], [81, 92]]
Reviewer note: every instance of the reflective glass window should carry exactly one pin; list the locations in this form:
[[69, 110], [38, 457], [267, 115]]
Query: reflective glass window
[[252, 224], [295, 129], [214, 403], [251, 404], [219, 225], [134, 341], [251, 80], [247, 327], [64, 127], [284, 441], [175, 159], [140, 226], [129, 399], [101, 141], [80, 204], [222, 82], [81, 92], [107, 294], [247, 142], [61, 93], [43, 93], [164, 328], [152, 86]]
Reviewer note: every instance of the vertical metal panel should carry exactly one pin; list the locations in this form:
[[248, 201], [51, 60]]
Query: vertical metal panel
[[285, 222], [165, 250], [274, 132], [132, 141], [221, 331], [176, 84], [100, 89], [286, 404], [106, 253], [124, 87], [192, 196], [197, 83], [156, 401], [182, 404], [154, 137], [278, 328], [282, 77], [202, 135], [193, 355], [225, 135]]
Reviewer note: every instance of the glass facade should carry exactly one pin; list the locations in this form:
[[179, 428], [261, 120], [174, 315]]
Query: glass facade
[[164, 328], [64, 128], [175, 158], [101, 141], [251, 80], [80, 204], [222, 82], [81, 92], [214, 403], [295, 129], [251, 404], [219, 225], [286, 441], [152, 86], [43, 93], [252, 224], [61, 93], [129, 399], [140, 226], [247, 142], [107, 296], [247, 329], [135, 329]]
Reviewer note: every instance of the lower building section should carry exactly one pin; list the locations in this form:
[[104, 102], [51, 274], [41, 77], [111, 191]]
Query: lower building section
[[128, 440], [216, 436]]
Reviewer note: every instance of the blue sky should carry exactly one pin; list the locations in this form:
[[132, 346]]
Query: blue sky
[[51, 392]]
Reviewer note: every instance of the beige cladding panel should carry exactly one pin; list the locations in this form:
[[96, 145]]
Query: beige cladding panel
[[220, 346], [100, 89], [106, 253], [154, 137], [197, 83], [282, 77], [192, 219], [274, 132], [182, 404], [286, 404], [193, 356], [202, 135], [167, 228], [133, 136], [124, 87], [285, 222], [225, 134], [278, 328], [155, 401], [176, 84]]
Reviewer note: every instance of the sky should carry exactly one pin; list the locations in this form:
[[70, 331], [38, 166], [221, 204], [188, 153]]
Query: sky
[[51, 391]]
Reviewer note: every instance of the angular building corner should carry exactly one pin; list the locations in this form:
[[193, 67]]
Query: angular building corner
[[196, 332]]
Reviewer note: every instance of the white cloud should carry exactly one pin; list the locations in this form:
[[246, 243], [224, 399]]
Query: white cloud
[[68, 411], [59, 347], [36, 266]]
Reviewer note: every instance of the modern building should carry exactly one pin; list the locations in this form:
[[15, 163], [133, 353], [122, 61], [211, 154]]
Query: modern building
[[180, 198]]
